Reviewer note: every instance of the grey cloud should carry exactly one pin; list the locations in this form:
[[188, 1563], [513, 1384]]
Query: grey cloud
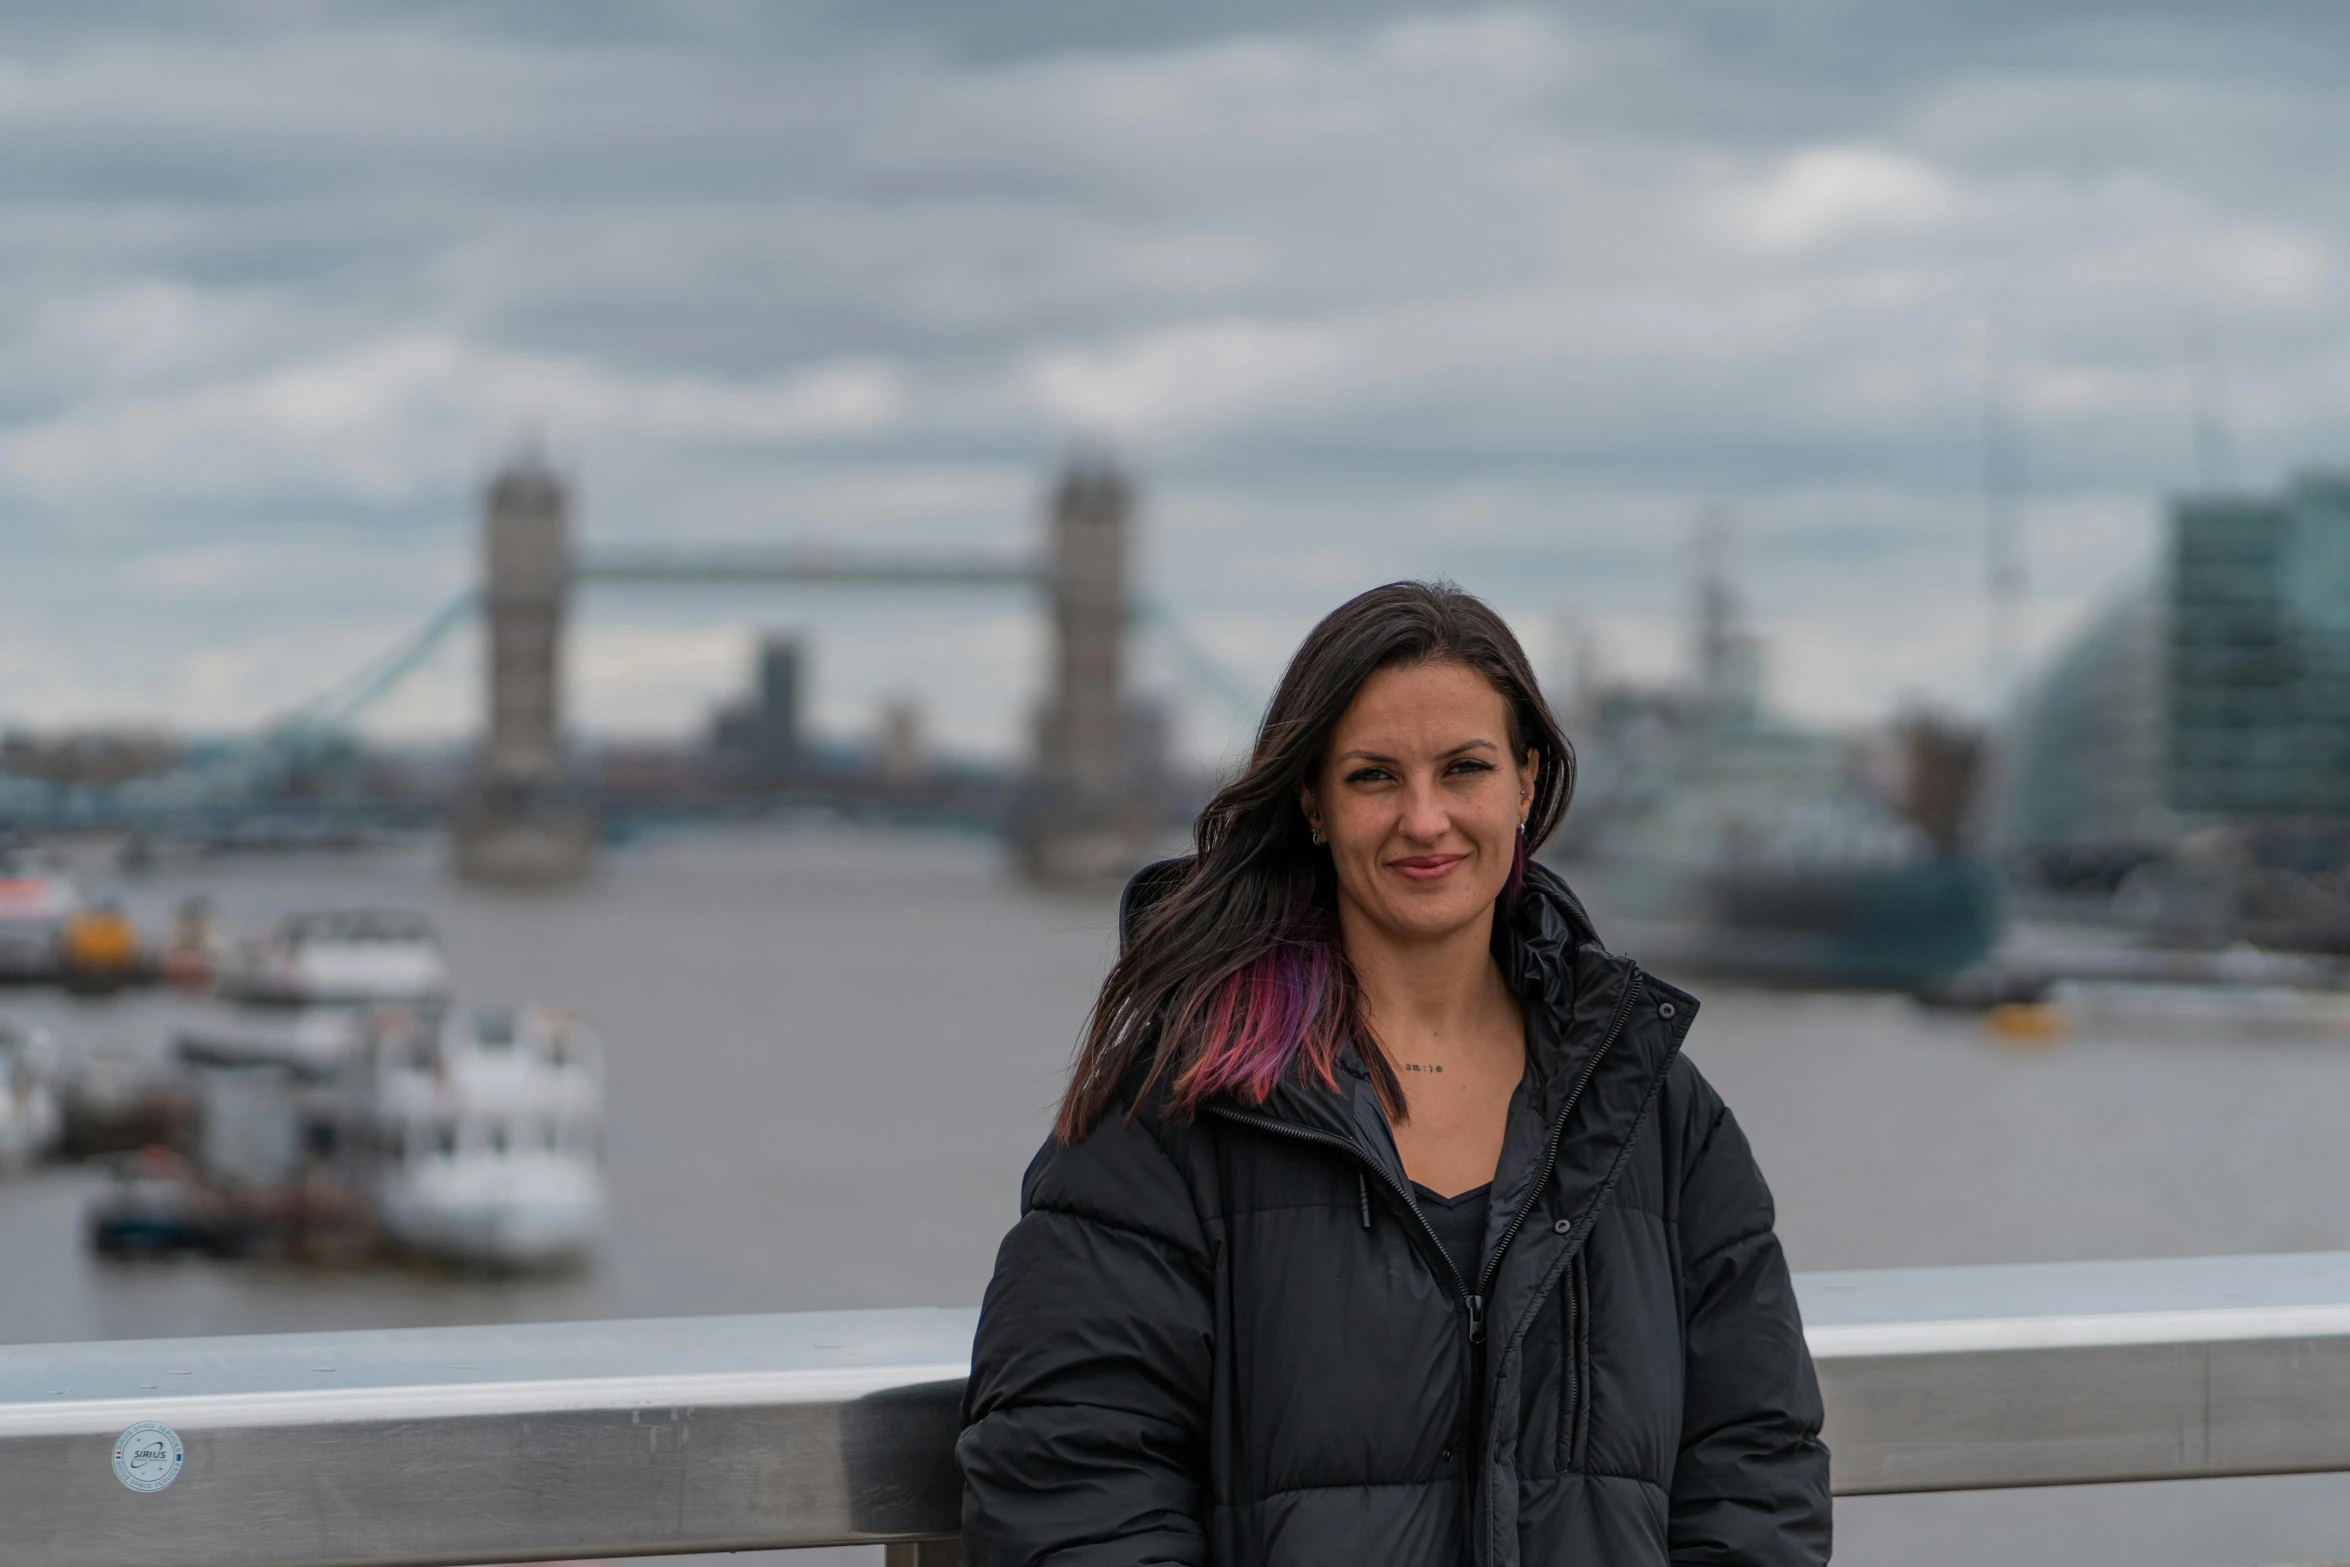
[[1321, 268]]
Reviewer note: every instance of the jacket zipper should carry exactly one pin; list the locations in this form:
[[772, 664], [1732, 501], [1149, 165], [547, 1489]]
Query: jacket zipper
[[1550, 1159], [1558, 1128], [1473, 1302]]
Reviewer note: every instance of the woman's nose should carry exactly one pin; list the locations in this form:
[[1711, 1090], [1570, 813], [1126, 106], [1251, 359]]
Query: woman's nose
[[1424, 815]]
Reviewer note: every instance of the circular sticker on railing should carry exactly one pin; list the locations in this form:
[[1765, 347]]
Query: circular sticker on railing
[[148, 1456]]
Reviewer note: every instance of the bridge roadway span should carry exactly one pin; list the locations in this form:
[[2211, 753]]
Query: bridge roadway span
[[593, 1439]]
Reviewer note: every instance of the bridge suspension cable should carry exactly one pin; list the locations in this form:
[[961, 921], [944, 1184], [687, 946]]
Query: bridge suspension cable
[[347, 698], [1242, 698]]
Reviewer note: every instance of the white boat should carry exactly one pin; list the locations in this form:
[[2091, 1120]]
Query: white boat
[[485, 1135], [33, 912], [344, 957], [313, 1042], [31, 1116]]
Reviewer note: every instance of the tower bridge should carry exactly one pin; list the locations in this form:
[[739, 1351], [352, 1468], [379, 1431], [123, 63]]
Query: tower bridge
[[1084, 807], [520, 821]]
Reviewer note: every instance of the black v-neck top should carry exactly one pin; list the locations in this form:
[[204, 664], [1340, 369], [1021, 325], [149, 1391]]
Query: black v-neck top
[[1459, 1223]]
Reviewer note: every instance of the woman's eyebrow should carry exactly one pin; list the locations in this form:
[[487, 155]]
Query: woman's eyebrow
[[1380, 756]]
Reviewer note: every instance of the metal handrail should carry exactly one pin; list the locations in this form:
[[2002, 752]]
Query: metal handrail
[[602, 1439], [2083, 1373], [491, 1444]]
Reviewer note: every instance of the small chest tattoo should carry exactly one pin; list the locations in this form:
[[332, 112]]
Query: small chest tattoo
[[1414, 1066]]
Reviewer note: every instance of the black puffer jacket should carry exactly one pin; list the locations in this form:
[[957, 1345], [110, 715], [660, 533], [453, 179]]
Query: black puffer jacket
[[1235, 1341]]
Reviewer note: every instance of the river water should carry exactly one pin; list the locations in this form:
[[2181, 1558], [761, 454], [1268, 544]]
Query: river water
[[833, 1051]]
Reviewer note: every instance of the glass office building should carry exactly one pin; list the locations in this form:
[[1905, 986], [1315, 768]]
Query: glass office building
[[2258, 647], [2219, 696]]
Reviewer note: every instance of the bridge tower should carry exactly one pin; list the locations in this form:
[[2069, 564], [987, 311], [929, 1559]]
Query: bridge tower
[[1087, 816], [526, 539], [519, 823]]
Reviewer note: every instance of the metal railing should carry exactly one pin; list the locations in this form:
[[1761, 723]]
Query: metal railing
[[599, 1439]]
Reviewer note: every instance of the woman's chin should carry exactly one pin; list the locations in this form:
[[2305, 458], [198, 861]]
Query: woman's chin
[[1433, 915]]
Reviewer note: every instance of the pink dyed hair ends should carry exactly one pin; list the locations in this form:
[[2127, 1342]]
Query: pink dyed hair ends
[[1279, 1010], [1267, 1015]]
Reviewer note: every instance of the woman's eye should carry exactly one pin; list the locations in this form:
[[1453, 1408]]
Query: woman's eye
[[1367, 775], [1469, 764]]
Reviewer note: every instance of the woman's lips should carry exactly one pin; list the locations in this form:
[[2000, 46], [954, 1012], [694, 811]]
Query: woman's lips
[[1426, 867]]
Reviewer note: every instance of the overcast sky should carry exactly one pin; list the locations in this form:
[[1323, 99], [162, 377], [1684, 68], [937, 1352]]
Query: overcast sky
[[1356, 291]]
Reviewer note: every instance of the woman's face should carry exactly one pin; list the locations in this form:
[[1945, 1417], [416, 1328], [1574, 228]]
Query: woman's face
[[1421, 799]]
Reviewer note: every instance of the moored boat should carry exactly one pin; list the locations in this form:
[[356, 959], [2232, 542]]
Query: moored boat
[[1714, 837], [197, 948], [31, 1116], [343, 957], [98, 949], [33, 912], [484, 1137]]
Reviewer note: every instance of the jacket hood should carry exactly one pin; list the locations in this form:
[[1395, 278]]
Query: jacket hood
[[1538, 943]]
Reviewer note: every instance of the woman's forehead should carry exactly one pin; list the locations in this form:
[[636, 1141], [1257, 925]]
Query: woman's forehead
[[1421, 702]]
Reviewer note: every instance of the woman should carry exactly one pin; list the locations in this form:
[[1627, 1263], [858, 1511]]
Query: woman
[[1384, 1221]]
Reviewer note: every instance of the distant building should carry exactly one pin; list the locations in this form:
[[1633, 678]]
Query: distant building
[[776, 711], [762, 735], [2083, 794], [902, 756], [2219, 698], [2259, 649]]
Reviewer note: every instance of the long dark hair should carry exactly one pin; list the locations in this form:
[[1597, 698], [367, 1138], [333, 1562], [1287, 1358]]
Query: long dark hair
[[1235, 975]]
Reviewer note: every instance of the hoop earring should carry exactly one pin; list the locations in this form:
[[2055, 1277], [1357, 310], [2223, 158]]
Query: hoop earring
[[1315, 833]]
